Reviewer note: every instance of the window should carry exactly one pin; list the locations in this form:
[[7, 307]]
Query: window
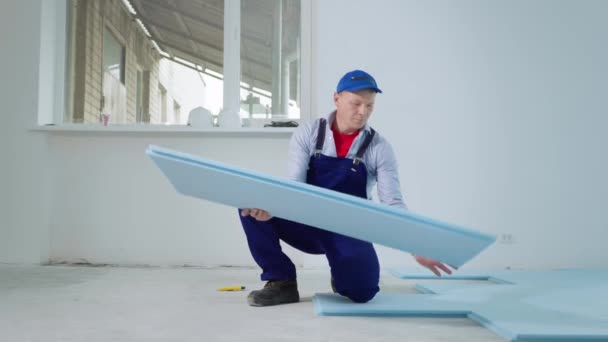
[[141, 61], [113, 56], [114, 97], [270, 58]]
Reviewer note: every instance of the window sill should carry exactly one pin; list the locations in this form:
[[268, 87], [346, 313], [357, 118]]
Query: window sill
[[160, 129]]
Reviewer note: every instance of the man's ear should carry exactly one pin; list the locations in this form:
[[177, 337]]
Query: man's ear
[[336, 97]]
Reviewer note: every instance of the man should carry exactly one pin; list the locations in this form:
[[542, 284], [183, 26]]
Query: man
[[340, 152]]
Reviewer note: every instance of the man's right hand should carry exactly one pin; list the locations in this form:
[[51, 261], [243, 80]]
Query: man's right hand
[[433, 265], [258, 214]]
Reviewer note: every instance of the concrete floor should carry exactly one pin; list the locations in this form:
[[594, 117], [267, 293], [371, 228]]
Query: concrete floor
[[68, 303]]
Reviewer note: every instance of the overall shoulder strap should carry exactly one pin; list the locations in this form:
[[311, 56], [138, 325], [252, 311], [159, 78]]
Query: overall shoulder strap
[[320, 136], [364, 146]]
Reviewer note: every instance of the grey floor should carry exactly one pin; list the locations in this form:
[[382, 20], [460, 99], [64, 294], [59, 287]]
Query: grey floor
[[69, 303]]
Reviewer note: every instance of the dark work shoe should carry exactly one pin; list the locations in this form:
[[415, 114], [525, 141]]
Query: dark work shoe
[[275, 292]]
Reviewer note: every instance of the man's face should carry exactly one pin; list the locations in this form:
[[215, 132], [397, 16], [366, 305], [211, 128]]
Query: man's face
[[353, 109]]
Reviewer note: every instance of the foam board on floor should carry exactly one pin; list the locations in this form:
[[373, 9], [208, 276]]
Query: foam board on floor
[[565, 305], [304, 203], [416, 273]]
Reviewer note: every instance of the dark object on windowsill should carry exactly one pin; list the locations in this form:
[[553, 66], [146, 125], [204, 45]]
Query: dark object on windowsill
[[282, 124]]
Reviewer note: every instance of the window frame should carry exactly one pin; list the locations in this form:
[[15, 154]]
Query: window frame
[[54, 85]]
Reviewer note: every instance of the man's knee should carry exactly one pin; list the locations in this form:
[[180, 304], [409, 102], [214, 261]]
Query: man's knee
[[361, 295], [358, 284]]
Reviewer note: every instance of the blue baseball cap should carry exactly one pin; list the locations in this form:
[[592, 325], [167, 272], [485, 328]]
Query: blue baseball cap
[[357, 80]]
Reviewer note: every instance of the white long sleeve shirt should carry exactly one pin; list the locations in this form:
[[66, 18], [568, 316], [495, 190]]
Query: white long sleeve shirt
[[379, 159]]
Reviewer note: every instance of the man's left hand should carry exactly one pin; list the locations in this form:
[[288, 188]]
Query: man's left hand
[[432, 265]]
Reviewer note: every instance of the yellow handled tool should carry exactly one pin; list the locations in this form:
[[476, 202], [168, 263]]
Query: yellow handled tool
[[231, 288]]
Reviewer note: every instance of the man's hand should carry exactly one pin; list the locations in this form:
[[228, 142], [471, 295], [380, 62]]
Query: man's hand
[[432, 265], [258, 214]]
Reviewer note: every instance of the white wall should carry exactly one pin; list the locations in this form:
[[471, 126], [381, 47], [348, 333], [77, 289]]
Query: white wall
[[24, 162], [494, 109], [113, 205], [497, 111]]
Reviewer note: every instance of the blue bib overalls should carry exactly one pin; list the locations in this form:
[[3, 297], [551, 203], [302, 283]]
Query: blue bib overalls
[[354, 263]]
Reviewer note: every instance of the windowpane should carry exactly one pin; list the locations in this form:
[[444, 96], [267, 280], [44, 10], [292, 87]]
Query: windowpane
[[270, 58], [152, 61], [113, 56]]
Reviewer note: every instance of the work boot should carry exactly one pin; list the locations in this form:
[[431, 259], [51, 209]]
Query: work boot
[[275, 292]]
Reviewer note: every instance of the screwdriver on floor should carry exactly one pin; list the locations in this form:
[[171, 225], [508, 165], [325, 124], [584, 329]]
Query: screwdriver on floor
[[231, 288]]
